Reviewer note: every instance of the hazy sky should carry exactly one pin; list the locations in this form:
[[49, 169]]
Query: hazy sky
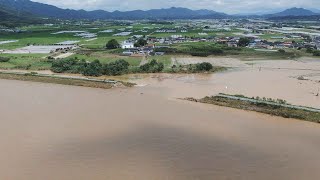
[[228, 6]]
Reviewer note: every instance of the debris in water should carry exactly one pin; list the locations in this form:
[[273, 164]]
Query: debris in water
[[301, 78]]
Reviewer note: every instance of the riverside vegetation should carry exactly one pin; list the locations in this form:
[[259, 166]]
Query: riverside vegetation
[[262, 105], [121, 67]]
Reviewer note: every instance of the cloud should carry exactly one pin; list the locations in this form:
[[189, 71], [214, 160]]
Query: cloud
[[228, 6]]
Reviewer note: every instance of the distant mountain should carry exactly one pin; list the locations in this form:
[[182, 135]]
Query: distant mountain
[[11, 18], [293, 12], [170, 13], [315, 10], [45, 10]]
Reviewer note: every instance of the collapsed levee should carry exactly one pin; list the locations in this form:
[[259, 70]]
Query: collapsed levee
[[266, 106]]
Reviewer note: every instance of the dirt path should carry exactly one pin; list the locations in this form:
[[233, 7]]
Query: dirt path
[[174, 61], [63, 55], [144, 61]]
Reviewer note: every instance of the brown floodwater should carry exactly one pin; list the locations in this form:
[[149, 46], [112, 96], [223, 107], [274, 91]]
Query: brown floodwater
[[60, 132], [277, 79]]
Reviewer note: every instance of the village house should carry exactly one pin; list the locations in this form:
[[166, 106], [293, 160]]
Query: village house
[[127, 45]]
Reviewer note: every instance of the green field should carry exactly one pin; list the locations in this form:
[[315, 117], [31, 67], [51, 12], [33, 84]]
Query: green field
[[26, 62], [43, 35], [107, 58], [166, 60], [40, 37]]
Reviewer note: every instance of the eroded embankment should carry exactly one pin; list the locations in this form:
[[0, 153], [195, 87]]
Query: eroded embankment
[[64, 80], [272, 107]]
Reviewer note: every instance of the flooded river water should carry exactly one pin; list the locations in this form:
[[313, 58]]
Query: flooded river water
[[60, 132]]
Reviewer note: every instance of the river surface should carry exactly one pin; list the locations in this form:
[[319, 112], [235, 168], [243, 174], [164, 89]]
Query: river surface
[[57, 132]]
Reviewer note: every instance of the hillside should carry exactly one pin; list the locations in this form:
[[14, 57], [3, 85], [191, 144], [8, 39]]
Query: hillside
[[293, 12], [12, 18]]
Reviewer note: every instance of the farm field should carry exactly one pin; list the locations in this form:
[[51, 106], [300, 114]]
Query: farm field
[[90, 42], [26, 62]]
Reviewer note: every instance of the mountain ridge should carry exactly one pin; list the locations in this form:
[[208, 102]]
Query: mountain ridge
[[46, 10], [50, 11], [293, 12], [11, 18]]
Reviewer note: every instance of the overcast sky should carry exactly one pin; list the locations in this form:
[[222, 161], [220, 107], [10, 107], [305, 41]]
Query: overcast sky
[[227, 6]]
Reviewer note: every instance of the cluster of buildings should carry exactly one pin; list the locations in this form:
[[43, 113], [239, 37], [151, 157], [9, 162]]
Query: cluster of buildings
[[140, 51]]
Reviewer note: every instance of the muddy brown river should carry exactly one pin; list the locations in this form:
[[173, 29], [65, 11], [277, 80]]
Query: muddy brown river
[[62, 132]]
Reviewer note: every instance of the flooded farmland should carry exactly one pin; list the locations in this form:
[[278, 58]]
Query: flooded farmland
[[62, 132], [271, 79]]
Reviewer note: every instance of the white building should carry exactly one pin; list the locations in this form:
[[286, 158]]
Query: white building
[[176, 36], [127, 45]]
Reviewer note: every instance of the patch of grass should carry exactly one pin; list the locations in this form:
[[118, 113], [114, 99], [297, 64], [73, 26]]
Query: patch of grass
[[246, 53], [26, 62], [166, 60]]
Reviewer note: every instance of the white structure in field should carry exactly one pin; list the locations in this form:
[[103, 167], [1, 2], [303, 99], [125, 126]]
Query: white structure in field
[[127, 45], [176, 36]]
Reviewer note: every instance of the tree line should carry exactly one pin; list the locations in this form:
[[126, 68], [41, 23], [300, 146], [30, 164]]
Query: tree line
[[96, 68], [314, 52]]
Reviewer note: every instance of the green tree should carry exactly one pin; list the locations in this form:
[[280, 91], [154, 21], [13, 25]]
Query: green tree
[[316, 53], [63, 65], [243, 42], [141, 42], [205, 66], [79, 67], [93, 69], [116, 68], [112, 44], [309, 50], [152, 67], [4, 59]]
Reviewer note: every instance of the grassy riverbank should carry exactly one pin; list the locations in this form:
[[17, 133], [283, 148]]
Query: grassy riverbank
[[261, 107], [64, 81]]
